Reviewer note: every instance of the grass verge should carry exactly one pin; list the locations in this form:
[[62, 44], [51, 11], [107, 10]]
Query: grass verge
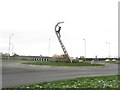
[[60, 63], [101, 82], [114, 62]]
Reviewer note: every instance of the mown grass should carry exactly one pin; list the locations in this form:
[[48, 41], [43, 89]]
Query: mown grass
[[61, 63], [114, 62], [99, 82]]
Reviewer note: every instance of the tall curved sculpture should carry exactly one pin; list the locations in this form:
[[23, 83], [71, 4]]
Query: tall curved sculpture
[[57, 31]]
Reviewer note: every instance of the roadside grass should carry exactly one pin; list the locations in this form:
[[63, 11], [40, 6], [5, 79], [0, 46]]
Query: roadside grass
[[60, 63], [99, 82], [114, 62]]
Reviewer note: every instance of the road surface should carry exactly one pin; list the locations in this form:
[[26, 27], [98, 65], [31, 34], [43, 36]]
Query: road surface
[[16, 74]]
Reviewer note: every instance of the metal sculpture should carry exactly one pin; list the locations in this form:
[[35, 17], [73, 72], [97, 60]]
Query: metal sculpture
[[57, 31]]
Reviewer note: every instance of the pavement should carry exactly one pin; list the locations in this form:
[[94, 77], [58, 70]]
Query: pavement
[[17, 74]]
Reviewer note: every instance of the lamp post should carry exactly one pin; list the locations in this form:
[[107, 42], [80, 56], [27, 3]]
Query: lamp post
[[85, 47], [9, 46], [49, 48], [12, 49], [109, 49]]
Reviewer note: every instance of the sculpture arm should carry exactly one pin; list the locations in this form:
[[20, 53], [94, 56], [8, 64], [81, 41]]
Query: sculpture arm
[[57, 25]]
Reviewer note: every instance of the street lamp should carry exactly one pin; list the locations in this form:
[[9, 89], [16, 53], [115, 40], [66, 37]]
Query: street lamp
[[49, 48], [85, 48], [12, 49], [9, 46], [109, 49]]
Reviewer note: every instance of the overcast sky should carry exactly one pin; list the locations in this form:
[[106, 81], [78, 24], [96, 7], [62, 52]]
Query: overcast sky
[[32, 22]]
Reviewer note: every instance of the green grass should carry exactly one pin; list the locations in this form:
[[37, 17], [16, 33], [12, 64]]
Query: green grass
[[83, 82], [60, 63], [114, 62]]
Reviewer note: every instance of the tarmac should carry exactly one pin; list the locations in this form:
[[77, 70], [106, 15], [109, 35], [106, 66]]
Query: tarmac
[[17, 74]]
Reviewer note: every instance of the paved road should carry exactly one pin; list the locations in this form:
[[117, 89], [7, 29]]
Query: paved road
[[15, 74]]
